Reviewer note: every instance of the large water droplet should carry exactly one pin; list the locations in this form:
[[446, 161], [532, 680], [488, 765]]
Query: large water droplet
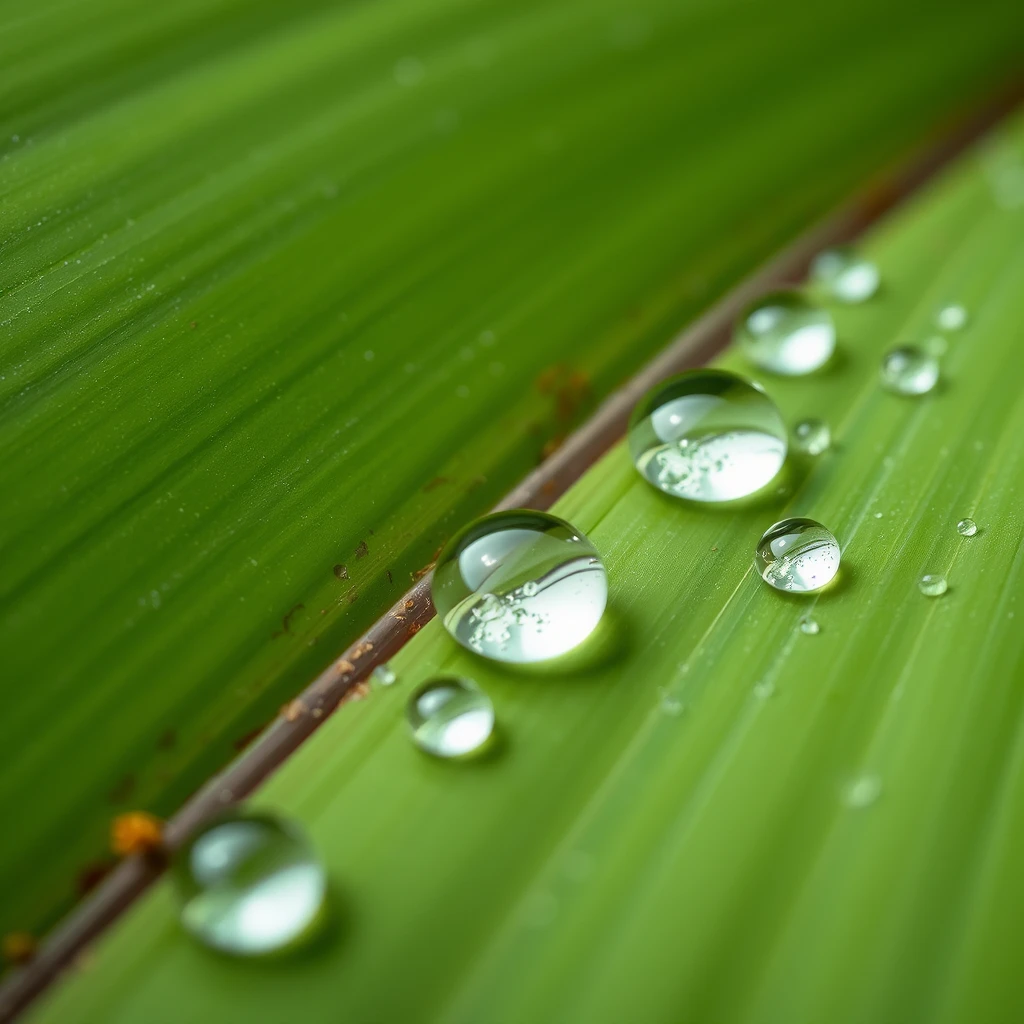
[[797, 555], [707, 435], [450, 717], [784, 333], [908, 370], [847, 276], [951, 318], [967, 527], [932, 584], [812, 437], [520, 586], [249, 884]]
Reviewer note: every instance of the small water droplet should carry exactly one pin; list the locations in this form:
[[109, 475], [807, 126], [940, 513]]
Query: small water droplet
[[708, 436], [936, 345], [809, 626], [520, 586], [784, 333], [249, 884], [908, 370], [878, 515], [812, 437], [384, 675], [951, 318], [862, 791], [764, 689], [672, 705], [967, 527], [797, 555], [932, 584], [450, 717], [847, 276]]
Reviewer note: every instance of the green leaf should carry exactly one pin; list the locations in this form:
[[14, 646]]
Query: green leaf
[[669, 833]]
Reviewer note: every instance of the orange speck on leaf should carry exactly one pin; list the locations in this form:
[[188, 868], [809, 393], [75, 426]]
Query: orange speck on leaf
[[136, 833]]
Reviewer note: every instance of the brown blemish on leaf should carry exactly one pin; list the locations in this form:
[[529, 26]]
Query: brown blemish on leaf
[[391, 578], [286, 622], [168, 740], [192, 324], [353, 596], [136, 832], [19, 947], [362, 550], [418, 574], [431, 485], [341, 571], [123, 790]]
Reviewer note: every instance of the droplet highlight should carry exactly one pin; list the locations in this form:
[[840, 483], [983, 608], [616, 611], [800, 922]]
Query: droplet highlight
[[812, 437], [520, 586], [249, 884], [799, 556], [862, 792], [708, 436], [932, 584], [845, 275], [784, 333], [908, 370], [450, 717], [951, 318], [809, 626], [384, 675], [967, 527]]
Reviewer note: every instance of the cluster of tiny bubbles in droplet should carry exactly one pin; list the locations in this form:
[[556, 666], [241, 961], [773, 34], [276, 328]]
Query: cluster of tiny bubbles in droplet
[[707, 436], [520, 586], [785, 333], [909, 370], [249, 884], [812, 437], [932, 584], [797, 555], [845, 275], [450, 717]]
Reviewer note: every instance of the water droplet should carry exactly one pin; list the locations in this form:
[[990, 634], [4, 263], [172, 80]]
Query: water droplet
[[797, 555], [784, 333], [707, 435], [847, 276], [967, 527], [878, 515], [908, 370], [812, 437], [520, 586], [764, 689], [384, 675], [809, 626], [932, 584], [951, 318], [862, 791], [936, 345], [450, 717], [672, 705], [249, 884]]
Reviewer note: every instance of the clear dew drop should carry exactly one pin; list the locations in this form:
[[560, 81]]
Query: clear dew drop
[[249, 884], [784, 333], [450, 717], [809, 626], [862, 792], [951, 318], [967, 527], [707, 436], [797, 555], [520, 586], [384, 675], [908, 370], [812, 437], [846, 275], [932, 584]]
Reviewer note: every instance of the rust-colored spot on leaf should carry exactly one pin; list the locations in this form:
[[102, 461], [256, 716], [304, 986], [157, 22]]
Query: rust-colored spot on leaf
[[353, 596], [136, 832], [418, 574], [341, 571], [192, 324], [391, 578], [168, 740], [361, 549], [286, 622], [19, 947], [438, 481]]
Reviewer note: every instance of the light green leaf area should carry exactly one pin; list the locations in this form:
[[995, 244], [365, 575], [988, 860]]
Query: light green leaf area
[[286, 287], [719, 817]]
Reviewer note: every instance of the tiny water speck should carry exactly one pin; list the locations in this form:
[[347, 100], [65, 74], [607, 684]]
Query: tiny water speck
[[785, 333], [936, 345], [809, 626], [520, 586], [450, 717], [932, 584], [967, 527], [797, 555], [863, 791], [878, 515], [764, 689], [707, 436], [908, 370], [951, 318], [846, 275], [812, 437], [249, 884], [672, 705], [384, 675]]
